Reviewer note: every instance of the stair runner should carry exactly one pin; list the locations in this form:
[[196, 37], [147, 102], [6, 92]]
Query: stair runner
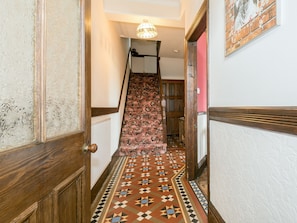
[[142, 129]]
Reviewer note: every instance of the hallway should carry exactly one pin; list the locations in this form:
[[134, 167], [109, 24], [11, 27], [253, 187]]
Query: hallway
[[150, 188]]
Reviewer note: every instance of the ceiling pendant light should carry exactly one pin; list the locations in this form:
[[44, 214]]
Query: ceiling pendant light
[[146, 30]]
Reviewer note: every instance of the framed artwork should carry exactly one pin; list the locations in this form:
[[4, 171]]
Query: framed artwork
[[247, 19]]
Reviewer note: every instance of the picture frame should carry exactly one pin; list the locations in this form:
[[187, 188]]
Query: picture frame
[[248, 19]]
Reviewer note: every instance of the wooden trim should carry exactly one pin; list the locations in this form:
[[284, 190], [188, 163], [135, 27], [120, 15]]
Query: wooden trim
[[195, 31], [39, 76], [86, 213], [105, 175], [103, 111], [199, 25], [279, 119], [172, 81], [88, 65], [29, 215], [76, 180], [202, 165], [123, 83], [213, 214], [191, 111], [144, 55]]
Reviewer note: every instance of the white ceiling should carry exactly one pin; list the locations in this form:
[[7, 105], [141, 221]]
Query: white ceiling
[[166, 15]]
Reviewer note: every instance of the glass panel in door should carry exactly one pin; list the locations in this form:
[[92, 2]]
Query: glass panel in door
[[63, 67], [17, 73]]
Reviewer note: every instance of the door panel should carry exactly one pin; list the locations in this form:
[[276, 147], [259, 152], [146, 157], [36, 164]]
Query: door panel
[[28, 216], [46, 179], [64, 210], [36, 174], [62, 58], [173, 93], [17, 67]]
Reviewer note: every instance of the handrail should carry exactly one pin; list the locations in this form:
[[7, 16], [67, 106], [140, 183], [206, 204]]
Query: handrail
[[98, 111], [127, 62]]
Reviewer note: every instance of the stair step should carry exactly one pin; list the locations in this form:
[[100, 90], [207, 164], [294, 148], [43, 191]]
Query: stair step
[[141, 150], [136, 120], [145, 140], [142, 129], [141, 132], [140, 110], [145, 124]]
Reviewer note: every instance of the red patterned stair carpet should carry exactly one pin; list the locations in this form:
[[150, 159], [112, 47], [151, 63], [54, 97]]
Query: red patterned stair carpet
[[142, 129], [149, 188]]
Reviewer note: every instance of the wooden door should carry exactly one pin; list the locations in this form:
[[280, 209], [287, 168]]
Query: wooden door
[[45, 111], [173, 93]]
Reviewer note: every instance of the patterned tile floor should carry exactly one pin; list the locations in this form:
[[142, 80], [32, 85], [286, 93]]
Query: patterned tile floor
[[202, 182], [151, 188]]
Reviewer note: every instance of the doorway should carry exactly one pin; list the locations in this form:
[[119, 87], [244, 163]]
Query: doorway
[[173, 96], [194, 114]]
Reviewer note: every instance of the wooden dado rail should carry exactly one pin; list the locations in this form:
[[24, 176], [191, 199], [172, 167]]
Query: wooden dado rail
[[280, 119], [103, 111]]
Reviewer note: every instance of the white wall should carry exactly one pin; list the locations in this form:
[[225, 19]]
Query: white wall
[[109, 54], [137, 65], [144, 64], [172, 68], [264, 70], [191, 8], [150, 65], [101, 135], [147, 47], [253, 172], [201, 136]]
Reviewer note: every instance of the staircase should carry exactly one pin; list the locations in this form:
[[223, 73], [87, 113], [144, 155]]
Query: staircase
[[142, 129]]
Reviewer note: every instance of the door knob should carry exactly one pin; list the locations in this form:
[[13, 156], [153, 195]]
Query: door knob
[[91, 148]]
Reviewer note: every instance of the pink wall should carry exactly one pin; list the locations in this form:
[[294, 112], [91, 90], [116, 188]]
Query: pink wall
[[201, 73]]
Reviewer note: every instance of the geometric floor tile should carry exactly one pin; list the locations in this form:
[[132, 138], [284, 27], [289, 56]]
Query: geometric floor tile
[[144, 215], [202, 199], [153, 190]]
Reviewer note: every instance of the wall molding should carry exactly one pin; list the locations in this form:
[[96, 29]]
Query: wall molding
[[103, 111], [202, 165], [213, 214], [105, 176], [279, 119]]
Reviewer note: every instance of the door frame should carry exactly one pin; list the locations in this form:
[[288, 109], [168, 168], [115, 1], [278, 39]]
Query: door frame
[[88, 111], [196, 30]]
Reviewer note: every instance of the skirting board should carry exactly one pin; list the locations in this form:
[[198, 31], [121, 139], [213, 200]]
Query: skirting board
[[100, 182], [213, 215], [202, 165]]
